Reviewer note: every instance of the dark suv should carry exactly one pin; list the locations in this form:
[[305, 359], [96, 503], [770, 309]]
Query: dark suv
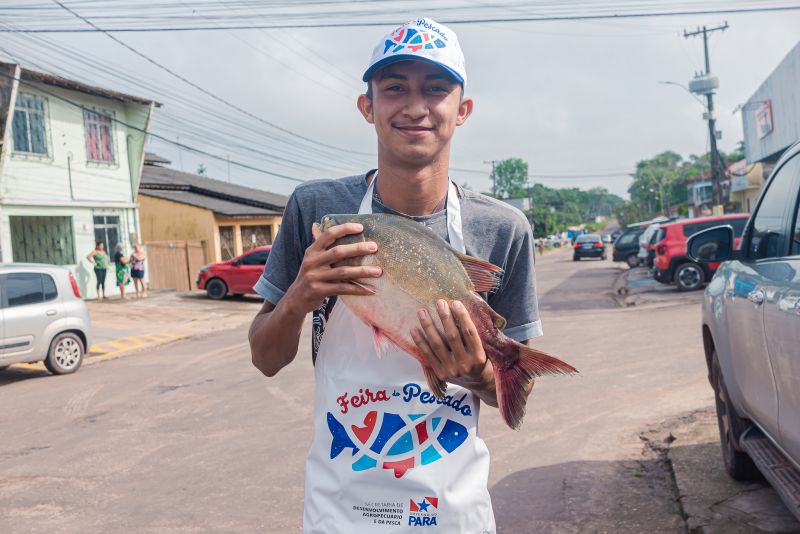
[[626, 247]]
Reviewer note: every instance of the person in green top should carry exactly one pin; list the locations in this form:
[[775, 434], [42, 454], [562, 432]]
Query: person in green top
[[99, 259]]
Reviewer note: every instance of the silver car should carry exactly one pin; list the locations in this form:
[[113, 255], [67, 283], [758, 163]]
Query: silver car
[[751, 333], [43, 317]]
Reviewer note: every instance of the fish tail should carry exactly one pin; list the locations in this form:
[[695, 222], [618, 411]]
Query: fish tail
[[512, 381], [437, 386]]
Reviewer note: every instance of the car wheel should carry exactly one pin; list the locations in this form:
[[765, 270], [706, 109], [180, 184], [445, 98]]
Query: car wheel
[[216, 289], [65, 355], [575, 258], [603, 257], [689, 277], [632, 260], [731, 427]]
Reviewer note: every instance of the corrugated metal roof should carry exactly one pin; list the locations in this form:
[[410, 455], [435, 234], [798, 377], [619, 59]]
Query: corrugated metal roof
[[72, 85], [216, 195], [217, 205]]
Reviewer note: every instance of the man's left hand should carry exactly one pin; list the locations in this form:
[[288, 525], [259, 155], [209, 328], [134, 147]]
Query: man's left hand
[[456, 354]]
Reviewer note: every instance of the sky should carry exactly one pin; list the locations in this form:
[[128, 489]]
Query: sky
[[570, 98]]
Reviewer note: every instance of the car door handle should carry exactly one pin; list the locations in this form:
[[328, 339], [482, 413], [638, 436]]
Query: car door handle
[[51, 312], [756, 297]]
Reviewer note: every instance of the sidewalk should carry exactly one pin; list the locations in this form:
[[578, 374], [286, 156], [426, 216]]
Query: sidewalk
[[636, 287], [711, 501], [120, 327]]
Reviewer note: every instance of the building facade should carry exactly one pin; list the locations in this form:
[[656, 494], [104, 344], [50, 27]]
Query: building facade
[[771, 117], [70, 165]]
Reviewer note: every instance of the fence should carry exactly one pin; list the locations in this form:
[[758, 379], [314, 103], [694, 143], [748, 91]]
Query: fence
[[174, 264]]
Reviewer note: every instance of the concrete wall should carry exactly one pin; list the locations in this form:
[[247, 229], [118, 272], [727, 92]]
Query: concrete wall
[[165, 220], [83, 238], [782, 89]]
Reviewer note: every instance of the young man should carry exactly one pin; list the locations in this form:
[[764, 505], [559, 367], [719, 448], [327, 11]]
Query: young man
[[386, 455]]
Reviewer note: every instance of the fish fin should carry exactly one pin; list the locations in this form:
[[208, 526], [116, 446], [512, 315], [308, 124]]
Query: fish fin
[[380, 341], [511, 382], [362, 286], [340, 440], [437, 386], [486, 277]]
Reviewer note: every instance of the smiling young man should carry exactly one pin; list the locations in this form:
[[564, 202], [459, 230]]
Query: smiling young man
[[386, 455]]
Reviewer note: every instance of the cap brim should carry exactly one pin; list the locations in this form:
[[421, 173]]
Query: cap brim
[[385, 62]]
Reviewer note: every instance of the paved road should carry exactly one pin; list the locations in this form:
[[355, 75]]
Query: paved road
[[190, 438]]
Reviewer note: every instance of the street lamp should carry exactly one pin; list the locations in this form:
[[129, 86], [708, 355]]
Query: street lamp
[[676, 84]]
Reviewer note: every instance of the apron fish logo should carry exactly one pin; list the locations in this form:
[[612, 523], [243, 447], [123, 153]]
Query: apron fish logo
[[396, 442]]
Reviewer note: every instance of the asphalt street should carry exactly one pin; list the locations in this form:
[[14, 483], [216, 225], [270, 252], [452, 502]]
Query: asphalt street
[[190, 437]]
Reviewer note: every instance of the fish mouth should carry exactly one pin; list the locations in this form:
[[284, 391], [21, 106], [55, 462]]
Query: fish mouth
[[327, 221]]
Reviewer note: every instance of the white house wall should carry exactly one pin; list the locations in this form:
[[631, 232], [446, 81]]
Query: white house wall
[[29, 179], [83, 237]]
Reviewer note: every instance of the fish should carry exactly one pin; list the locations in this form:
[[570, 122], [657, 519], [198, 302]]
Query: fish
[[420, 268], [390, 443]]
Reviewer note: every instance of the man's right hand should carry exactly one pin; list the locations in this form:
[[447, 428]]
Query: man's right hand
[[319, 275]]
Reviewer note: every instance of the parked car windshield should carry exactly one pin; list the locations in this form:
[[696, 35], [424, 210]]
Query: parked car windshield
[[256, 258]]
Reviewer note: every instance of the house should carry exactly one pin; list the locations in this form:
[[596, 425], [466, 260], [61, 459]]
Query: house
[[746, 183], [70, 163], [228, 219]]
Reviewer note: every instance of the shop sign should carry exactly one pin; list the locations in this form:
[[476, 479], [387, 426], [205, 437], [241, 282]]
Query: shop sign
[[764, 119]]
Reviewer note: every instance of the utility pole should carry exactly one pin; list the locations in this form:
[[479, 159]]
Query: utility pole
[[494, 163], [708, 90]]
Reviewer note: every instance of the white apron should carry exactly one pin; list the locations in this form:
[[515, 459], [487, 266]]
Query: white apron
[[387, 456]]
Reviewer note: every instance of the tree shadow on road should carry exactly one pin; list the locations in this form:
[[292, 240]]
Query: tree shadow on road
[[630, 496]]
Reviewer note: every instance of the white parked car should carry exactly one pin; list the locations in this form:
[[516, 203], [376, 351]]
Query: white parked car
[[43, 317]]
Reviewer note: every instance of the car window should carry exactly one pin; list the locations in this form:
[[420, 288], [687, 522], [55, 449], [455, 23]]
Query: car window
[[23, 288], [256, 258], [768, 233], [49, 287], [626, 239], [738, 226]]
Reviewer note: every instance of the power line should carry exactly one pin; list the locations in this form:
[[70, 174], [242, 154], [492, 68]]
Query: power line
[[369, 23], [156, 136], [200, 88]]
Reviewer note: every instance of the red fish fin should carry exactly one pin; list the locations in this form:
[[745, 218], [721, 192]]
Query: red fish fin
[[511, 383], [437, 386], [485, 276], [381, 341], [362, 286]]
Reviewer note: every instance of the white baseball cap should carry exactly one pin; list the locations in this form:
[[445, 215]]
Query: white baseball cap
[[421, 39]]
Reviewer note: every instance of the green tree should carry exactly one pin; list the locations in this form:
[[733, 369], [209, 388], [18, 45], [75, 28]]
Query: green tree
[[510, 177]]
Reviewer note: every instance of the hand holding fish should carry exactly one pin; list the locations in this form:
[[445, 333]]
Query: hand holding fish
[[457, 354], [325, 270]]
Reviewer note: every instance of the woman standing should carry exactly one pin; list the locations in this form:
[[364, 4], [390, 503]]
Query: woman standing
[[99, 259], [137, 270], [123, 271]]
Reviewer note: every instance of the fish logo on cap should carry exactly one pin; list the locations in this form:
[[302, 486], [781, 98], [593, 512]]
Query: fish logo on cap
[[420, 39], [396, 442], [413, 40]]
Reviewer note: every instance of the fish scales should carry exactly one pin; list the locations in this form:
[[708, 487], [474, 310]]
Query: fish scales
[[420, 268]]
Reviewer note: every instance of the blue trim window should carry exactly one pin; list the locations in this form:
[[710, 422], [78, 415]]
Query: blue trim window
[[29, 132]]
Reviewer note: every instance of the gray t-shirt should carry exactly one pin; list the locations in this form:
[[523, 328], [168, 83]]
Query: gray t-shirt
[[493, 231]]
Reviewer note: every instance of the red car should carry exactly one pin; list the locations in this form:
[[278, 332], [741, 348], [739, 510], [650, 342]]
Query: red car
[[236, 276], [671, 265]]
